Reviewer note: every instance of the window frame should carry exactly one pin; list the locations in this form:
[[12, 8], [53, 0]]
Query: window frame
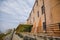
[[38, 13]]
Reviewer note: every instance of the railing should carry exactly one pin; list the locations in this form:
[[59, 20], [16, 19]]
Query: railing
[[12, 34], [50, 25], [54, 26]]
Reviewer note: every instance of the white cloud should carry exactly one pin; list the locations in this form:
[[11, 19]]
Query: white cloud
[[14, 12]]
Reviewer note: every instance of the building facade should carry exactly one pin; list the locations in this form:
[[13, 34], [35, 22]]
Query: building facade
[[45, 17]]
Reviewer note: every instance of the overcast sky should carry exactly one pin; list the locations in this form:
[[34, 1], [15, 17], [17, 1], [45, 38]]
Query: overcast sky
[[14, 12]]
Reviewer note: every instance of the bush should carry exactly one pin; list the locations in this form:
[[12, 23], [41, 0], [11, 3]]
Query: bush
[[23, 28]]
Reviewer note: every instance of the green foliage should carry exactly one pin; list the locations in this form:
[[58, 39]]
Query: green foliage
[[1, 36], [24, 28]]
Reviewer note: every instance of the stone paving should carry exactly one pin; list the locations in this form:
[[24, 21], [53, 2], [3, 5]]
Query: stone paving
[[16, 37], [27, 36]]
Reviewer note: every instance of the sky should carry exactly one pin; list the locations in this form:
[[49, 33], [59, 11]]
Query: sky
[[14, 12]]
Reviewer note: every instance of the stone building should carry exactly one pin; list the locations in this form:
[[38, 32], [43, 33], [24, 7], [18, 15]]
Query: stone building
[[45, 17]]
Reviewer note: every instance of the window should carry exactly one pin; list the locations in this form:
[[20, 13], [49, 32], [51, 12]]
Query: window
[[33, 9], [30, 22], [43, 9], [44, 26], [30, 14], [37, 2], [38, 13], [33, 19], [59, 25]]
